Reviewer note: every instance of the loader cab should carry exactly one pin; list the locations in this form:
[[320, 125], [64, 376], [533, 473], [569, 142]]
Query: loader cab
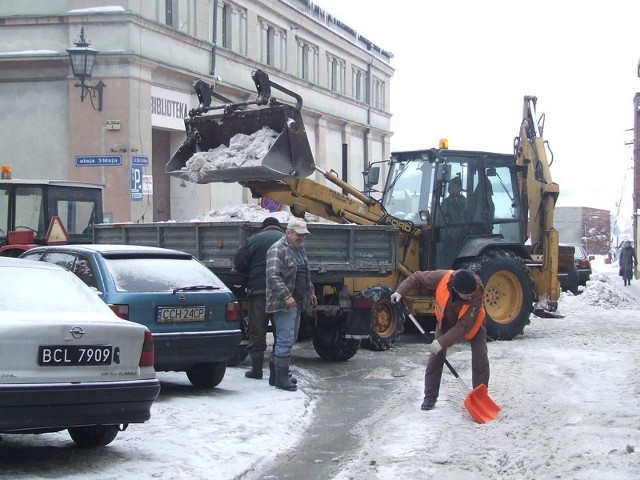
[[458, 198], [27, 208]]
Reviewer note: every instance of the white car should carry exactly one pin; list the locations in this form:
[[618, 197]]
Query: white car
[[66, 360]]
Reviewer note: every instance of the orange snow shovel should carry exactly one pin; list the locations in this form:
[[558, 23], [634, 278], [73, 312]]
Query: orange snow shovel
[[478, 402]]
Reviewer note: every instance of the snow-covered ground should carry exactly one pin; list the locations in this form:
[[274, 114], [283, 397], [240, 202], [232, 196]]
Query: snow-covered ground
[[569, 390]]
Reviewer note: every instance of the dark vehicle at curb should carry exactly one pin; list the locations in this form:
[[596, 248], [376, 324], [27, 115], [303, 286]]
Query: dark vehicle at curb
[[574, 267], [66, 360], [567, 271], [192, 315], [583, 263]]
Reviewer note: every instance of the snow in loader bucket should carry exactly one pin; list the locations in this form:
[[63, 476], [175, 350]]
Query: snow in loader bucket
[[267, 143]]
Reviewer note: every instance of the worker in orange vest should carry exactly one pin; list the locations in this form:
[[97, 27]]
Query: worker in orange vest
[[460, 315]]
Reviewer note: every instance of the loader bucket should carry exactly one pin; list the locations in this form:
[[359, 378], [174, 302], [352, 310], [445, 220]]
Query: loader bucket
[[289, 155]]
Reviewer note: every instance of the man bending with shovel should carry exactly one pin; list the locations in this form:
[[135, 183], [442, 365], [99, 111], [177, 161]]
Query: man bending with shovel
[[460, 315]]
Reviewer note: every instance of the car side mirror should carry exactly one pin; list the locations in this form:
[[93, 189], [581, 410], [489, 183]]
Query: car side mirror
[[592, 257]]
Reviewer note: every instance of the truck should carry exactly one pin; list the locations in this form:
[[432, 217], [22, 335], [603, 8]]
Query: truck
[[43, 212], [335, 252], [507, 236]]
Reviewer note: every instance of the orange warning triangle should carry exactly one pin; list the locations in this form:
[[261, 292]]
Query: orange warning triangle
[[56, 234]]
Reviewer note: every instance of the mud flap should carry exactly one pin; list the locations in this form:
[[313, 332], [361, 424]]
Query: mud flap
[[359, 323]]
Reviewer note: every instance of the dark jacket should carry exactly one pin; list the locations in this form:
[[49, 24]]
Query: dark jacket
[[455, 208], [281, 276], [453, 328], [252, 258], [628, 257]]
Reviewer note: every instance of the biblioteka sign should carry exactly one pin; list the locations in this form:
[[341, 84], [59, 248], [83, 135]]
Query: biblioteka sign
[[169, 108]]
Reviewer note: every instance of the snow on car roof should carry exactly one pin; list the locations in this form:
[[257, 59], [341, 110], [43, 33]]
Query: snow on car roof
[[18, 262], [116, 248]]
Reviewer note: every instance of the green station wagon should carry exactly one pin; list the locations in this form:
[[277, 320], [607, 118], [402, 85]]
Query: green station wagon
[[193, 317]]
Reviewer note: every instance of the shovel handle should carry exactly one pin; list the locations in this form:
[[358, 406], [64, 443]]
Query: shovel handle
[[446, 362]]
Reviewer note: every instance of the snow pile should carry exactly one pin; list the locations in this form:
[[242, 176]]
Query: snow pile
[[241, 213], [243, 151], [601, 291]]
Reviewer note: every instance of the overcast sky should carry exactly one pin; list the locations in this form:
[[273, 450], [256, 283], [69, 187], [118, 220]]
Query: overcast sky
[[462, 68]]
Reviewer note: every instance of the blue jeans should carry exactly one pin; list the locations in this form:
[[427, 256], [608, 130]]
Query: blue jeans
[[287, 323]]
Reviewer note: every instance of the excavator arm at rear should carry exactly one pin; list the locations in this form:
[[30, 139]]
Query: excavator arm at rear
[[539, 195], [350, 205]]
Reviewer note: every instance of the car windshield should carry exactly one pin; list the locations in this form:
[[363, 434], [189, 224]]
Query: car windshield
[[159, 274], [45, 290]]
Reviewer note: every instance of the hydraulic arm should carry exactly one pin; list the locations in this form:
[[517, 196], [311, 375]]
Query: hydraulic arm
[[539, 195]]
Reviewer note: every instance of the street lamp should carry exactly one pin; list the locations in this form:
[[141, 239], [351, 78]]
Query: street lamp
[[82, 59]]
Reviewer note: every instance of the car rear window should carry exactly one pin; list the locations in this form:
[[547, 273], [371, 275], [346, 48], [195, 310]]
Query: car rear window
[[159, 274]]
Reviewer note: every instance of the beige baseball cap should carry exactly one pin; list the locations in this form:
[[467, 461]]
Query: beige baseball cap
[[298, 225]]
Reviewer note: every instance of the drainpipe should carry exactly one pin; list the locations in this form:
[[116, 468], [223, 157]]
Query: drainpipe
[[212, 68], [366, 131]]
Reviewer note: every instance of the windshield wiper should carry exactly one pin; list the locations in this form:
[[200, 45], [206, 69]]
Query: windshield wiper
[[196, 287]]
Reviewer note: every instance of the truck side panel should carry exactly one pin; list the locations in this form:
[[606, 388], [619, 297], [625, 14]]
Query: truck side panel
[[335, 252]]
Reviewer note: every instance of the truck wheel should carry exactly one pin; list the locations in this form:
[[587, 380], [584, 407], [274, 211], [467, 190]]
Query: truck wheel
[[207, 375], [508, 291], [331, 344], [386, 322], [94, 435]]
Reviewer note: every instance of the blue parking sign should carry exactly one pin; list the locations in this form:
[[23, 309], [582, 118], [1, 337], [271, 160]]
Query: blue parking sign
[[136, 184]]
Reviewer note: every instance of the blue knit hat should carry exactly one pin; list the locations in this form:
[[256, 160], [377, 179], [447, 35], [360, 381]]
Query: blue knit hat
[[464, 282]]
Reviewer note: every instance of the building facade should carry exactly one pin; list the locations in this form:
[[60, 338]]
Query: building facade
[[636, 165], [590, 227], [150, 54]]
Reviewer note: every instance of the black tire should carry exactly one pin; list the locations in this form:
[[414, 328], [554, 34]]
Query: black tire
[[331, 344], [387, 322], [508, 292], [94, 435], [207, 375]]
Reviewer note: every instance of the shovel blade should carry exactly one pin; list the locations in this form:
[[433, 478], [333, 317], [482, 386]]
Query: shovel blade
[[480, 406]]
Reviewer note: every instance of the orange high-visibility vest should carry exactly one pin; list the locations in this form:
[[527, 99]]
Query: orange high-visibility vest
[[443, 294]]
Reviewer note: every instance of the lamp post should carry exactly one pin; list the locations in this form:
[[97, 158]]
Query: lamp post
[[82, 58]]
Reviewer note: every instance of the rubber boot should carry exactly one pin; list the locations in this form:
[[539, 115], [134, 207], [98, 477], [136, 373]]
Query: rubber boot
[[281, 365], [272, 374], [257, 359]]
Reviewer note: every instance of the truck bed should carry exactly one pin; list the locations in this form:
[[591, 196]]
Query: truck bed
[[335, 251]]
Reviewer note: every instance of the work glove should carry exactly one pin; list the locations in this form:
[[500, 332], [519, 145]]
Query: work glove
[[435, 347], [396, 297]]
